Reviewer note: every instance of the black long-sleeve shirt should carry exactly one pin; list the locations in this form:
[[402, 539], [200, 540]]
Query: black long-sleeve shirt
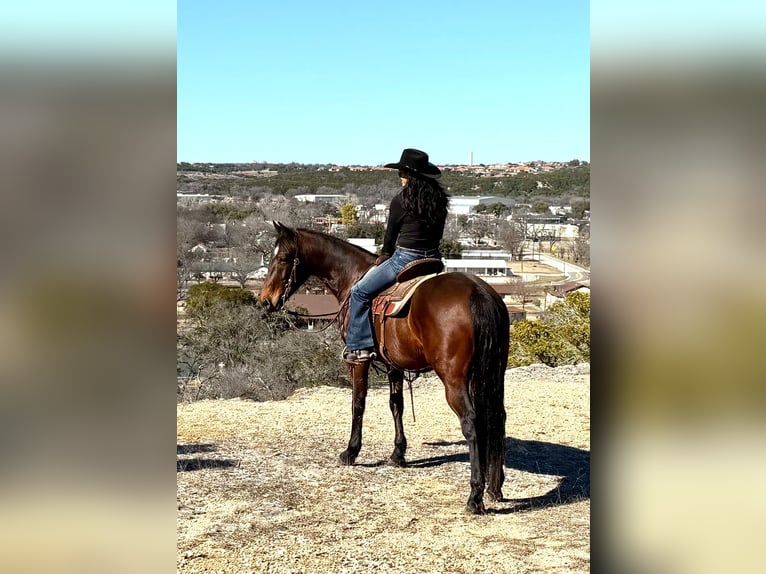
[[405, 230]]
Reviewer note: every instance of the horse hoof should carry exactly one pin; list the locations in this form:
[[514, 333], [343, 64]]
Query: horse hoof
[[397, 460], [495, 496], [346, 458], [475, 507]]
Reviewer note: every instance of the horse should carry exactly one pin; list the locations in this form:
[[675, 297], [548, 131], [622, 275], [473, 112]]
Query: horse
[[457, 325]]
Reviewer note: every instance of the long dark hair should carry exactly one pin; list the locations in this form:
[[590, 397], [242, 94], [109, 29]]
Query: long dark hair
[[425, 198]]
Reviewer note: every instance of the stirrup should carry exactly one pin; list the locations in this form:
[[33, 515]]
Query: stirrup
[[358, 355]]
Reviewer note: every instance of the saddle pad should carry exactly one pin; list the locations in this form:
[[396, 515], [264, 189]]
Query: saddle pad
[[393, 300]]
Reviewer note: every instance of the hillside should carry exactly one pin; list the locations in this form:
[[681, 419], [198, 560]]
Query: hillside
[[260, 488]]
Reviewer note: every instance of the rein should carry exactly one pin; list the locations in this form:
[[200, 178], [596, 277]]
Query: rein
[[336, 317], [290, 280], [333, 315]]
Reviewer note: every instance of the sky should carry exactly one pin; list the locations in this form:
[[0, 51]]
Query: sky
[[354, 83]]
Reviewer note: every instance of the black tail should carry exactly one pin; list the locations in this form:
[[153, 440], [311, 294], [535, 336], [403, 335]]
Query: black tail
[[486, 374]]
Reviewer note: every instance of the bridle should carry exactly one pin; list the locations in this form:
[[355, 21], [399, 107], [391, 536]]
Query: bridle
[[292, 278]]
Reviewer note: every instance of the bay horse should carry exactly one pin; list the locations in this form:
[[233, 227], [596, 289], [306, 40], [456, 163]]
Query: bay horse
[[457, 326]]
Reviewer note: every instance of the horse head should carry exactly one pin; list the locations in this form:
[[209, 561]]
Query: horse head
[[285, 271]]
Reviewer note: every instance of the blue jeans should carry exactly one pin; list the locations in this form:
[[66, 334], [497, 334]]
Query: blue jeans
[[359, 334]]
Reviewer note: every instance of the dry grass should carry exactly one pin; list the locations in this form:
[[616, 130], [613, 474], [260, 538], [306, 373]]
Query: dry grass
[[260, 488]]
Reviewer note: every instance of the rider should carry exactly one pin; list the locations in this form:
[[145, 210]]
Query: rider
[[415, 226]]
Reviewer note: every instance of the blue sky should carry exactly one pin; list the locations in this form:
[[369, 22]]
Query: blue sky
[[351, 82]]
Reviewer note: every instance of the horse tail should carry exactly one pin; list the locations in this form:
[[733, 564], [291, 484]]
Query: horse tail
[[486, 378]]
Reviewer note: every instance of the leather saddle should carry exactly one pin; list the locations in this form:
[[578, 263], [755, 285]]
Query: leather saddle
[[393, 301]]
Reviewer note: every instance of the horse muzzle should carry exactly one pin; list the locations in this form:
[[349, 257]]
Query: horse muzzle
[[272, 303]]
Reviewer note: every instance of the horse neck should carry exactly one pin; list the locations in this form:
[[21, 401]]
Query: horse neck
[[336, 263]]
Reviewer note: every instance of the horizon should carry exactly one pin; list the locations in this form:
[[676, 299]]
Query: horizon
[[474, 164]]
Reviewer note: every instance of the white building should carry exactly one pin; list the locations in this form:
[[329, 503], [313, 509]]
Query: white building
[[559, 230], [559, 292], [485, 267], [319, 198], [186, 199], [466, 204], [487, 254]]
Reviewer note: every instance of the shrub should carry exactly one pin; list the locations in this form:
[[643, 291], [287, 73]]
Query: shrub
[[203, 296], [560, 337], [233, 348]]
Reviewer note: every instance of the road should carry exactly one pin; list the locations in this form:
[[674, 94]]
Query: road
[[573, 272]]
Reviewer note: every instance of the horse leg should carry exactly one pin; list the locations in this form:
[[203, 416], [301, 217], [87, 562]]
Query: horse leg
[[459, 402], [359, 373], [396, 403]]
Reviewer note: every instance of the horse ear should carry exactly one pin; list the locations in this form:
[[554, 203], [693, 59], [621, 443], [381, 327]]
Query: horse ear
[[282, 229]]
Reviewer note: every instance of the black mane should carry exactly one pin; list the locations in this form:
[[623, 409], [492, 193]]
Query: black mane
[[337, 243], [338, 263]]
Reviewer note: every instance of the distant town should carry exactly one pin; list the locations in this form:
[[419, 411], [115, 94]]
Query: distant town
[[523, 227], [265, 169]]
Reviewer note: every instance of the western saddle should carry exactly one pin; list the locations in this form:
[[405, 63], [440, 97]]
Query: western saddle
[[393, 301]]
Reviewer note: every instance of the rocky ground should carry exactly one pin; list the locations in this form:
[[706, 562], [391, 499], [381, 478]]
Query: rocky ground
[[260, 488]]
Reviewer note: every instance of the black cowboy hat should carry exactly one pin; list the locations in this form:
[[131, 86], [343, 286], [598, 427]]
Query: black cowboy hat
[[416, 161]]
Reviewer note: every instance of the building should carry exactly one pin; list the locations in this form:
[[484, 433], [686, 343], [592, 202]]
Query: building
[[481, 267], [321, 198], [487, 254], [559, 292], [187, 199], [466, 204], [546, 231]]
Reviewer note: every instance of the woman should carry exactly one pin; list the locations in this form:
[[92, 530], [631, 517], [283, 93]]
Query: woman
[[415, 226]]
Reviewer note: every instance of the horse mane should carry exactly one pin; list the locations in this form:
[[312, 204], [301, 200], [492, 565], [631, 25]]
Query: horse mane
[[335, 244], [336, 261]]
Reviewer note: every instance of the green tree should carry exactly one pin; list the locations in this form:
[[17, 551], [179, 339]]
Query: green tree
[[500, 210], [579, 208], [348, 214], [450, 249], [540, 207], [373, 230]]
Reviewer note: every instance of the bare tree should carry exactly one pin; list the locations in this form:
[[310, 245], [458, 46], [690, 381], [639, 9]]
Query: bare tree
[[280, 208], [553, 237], [452, 228], [535, 232], [581, 247], [190, 233], [251, 242], [511, 235], [522, 291], [479, 229]]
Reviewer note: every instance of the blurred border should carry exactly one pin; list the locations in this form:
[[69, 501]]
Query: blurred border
[[87, 161], [678, 144]]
